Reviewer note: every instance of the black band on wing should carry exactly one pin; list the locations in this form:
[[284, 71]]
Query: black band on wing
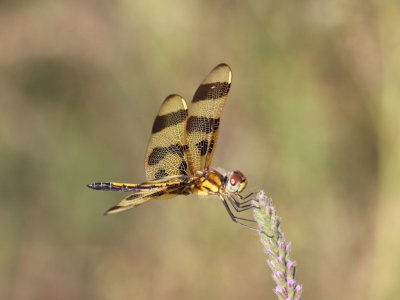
[[164, 121], [202, 146], [211, 147], [159, 153], [183, 167], [202, 124], [161, 174], [211, 91]]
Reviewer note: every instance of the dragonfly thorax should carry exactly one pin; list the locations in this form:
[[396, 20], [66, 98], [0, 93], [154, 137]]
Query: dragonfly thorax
[[216, 181]]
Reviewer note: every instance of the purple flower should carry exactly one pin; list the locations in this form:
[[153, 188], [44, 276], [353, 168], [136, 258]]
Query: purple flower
[[276, 248]]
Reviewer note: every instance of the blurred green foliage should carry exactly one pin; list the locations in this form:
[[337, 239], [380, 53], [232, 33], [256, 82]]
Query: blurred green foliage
[[312, 118]]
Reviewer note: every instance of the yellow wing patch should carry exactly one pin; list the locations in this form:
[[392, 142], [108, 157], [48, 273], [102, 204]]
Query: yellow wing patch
[[204, 117], [166, 151]]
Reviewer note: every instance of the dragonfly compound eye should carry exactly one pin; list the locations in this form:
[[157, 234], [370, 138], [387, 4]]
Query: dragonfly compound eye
[[236, 183]]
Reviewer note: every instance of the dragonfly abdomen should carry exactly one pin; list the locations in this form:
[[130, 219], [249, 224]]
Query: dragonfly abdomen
[[113, 186]]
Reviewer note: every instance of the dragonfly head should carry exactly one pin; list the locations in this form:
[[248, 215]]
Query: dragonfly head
[[235, 182]]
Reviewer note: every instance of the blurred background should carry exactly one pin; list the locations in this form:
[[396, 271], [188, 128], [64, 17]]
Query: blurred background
[[312, 118]]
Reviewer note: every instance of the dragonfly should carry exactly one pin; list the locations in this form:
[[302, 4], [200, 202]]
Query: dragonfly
[[180, 151]]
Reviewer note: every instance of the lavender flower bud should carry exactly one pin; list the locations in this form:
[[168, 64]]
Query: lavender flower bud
[[277, 249]]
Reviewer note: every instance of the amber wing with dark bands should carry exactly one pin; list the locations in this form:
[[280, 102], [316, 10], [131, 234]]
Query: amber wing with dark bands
[[166, 151], [151, 190], [204, 116]]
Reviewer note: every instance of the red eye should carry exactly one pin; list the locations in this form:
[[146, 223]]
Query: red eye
[[237, 182], [235, 178]]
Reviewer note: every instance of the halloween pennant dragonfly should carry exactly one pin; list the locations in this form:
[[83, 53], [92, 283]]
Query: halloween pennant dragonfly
[[180, 151]]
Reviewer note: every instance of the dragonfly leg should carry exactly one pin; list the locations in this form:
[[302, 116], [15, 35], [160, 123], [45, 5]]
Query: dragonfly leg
[[243, 205], [246, 198], [237, 219], [238, 206]]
